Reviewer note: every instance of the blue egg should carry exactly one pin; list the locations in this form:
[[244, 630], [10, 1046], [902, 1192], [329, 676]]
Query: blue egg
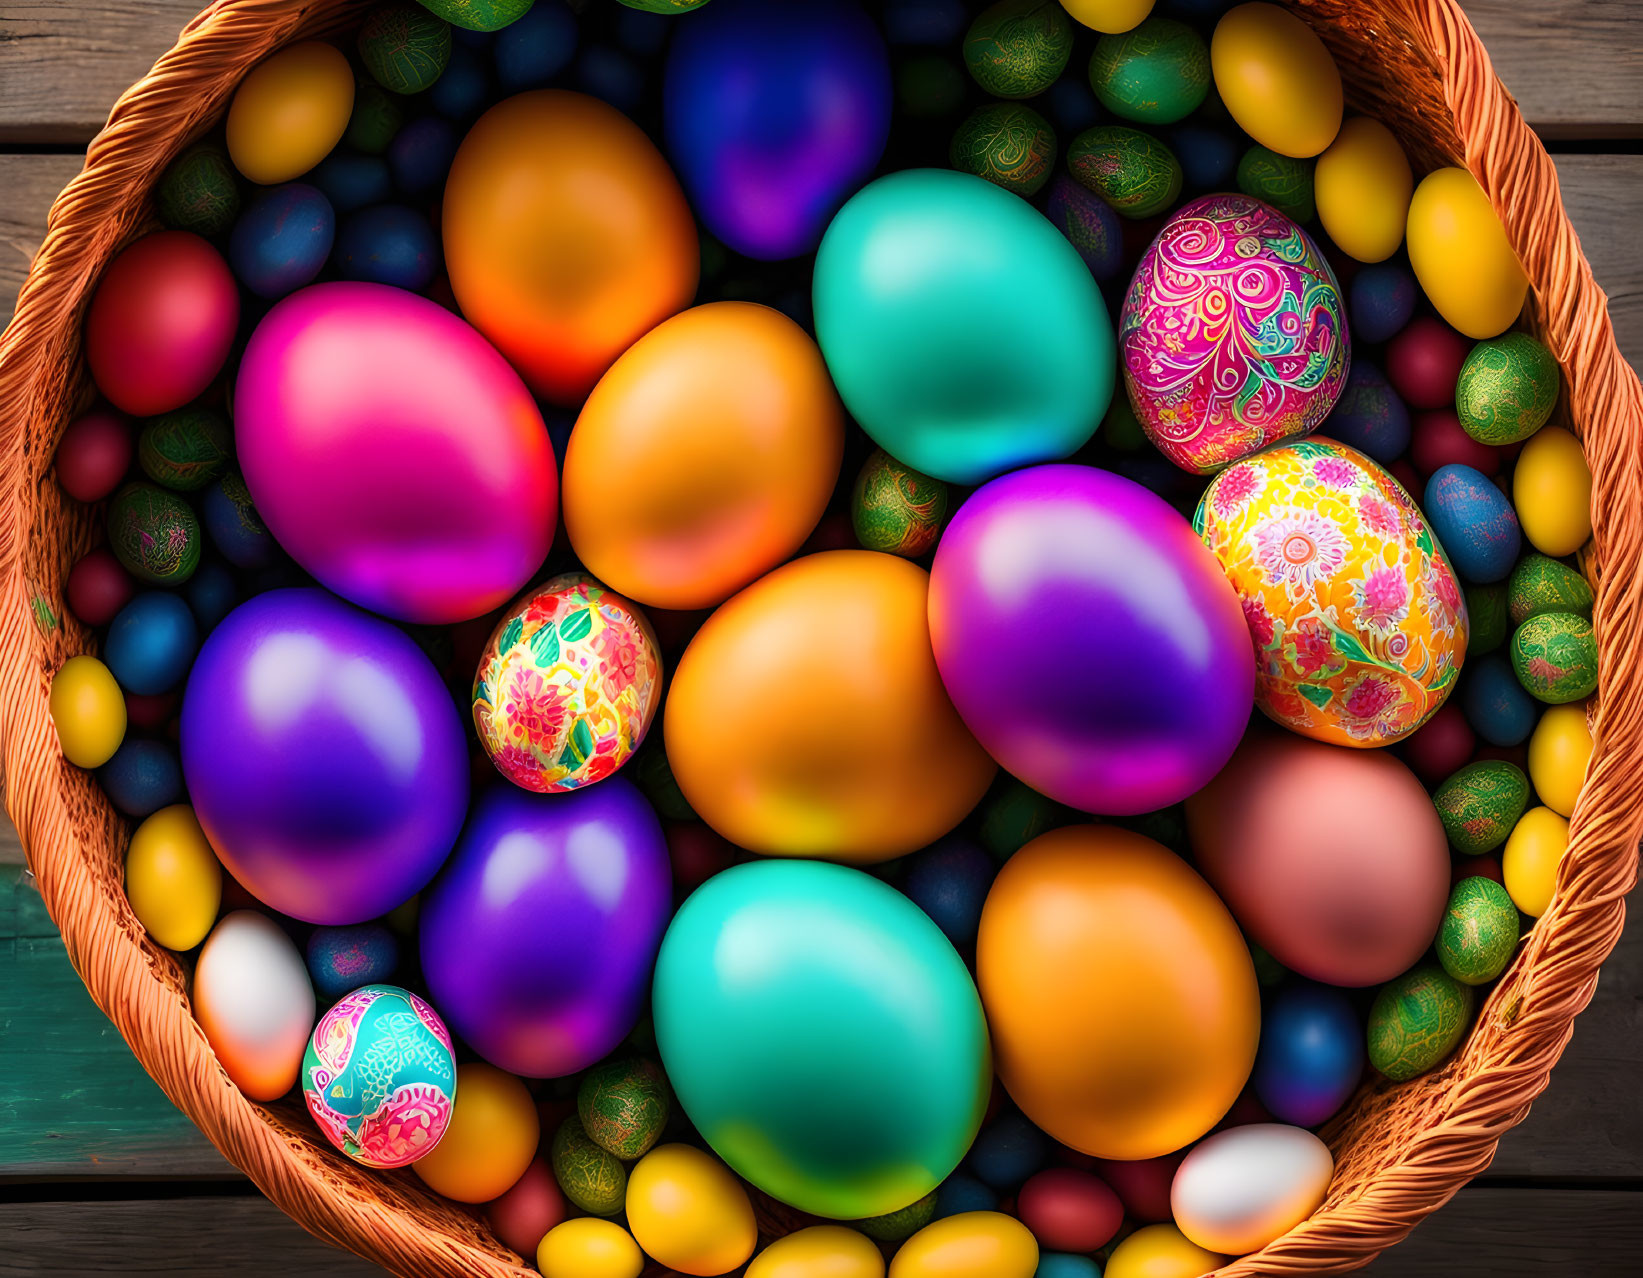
[[1062, 1264], [1208, 158], [282, 239], [463, 87], [341, 959], [420, 155], [1007, 1151], [351, 180], [1311, 1055], [960, 1193], [388, 244], [1495, 703], [1070, 103], [1369, 415], [642, 32], [611, 76], [151, 643], [1474, 522], [143, 776], [235, 528], [949, 882], [211, 593], [530, 52], [923, 22], [1381, 301]]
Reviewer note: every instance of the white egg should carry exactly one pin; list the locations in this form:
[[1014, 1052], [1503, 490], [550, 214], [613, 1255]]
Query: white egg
[[1241, 1188], [253, 999]]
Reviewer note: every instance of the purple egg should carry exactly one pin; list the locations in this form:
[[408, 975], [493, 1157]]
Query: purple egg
[[539, 938], [1089, 224], [324, 757], [1090, 640]]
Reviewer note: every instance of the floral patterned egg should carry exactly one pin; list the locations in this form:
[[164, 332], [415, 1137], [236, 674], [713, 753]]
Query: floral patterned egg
[[379, 1076], [567, 685], [1233, 334], [1357, 617]]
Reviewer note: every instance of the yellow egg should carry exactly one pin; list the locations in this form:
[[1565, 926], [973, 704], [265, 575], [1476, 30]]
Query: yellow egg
[[1277, 79], [1362, 184], [88, 711], [973, 1244], [1461, 254], [822, 1251], [1558, 754], [1160, 1251], [173, 879], [588, 1247], [1529, 863], [689, 1212], [1110, 17], [1552, 490], [290, 111]]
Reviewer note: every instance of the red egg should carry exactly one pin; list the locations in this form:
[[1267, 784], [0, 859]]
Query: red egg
[[161, 322], [1438, 439], [1423, 362], [94, 455], [1069, 1210], [697, 853], [1442, 745], [97, 588], [527, 1211], [149, 712], [1143, 1186]]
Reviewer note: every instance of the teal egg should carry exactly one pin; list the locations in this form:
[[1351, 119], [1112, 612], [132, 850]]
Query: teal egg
[[1132, 171], [987, 347], [1009, 144], [823, 1036], [1156, 73]]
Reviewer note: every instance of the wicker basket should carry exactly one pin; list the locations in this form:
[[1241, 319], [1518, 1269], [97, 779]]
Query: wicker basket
[[1401, 1151]]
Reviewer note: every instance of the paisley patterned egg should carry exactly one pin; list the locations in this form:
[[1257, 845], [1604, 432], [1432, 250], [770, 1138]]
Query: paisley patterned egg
[[1280, 181], [1089, 224], [1479, 932], [897, 509], [1132, 171], [1233, 333], [1541, 584], [185, 449], [404, 47], [1507, 389], [1416, 1021], [1156, 73], [154, 534], [493, 15], [1017, 48], [199, 192], [624, 1105], [589, 1174], [1554, 656], [1356, 615], [1480, 804], [1486, 610], [1009, 144]]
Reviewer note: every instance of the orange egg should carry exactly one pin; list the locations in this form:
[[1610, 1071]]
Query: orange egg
[[489, 1141], [704, 457], [1120, 994], [807, 718], [566, 237]]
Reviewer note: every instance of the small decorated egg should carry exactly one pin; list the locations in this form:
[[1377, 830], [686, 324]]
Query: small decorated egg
[[388, 244], [143, 776], [1009, 144], [1486, 609], [688, 1212], [185, 449], [624, 1105], [236, 529], [289, 111], [1369, 416], [154, 534], [1458, 247], [341, 959], [897, 509], [282, 239], [1157, 73], [1364, 184], [1529, 863], [88, 712], [1480, 804], [198, 192], [821, 1251], [1479, 932], [976, 1244], [489, 1141], [1540, 584], [1089, 224], [1507, 389], [1223, 267], [1559, 752], [1017, 48], [592, 1177], [404, 46], [893, 1226], [1160, 1251], [1496, 705], [1416, 1021], [253, 999], [1554, 656], [1242, 1188], [1132, 171], [1552, 489], [1474, 521], [589, 1248], [1382, 300], [1278, 180], [173, 879], [1277, 79]]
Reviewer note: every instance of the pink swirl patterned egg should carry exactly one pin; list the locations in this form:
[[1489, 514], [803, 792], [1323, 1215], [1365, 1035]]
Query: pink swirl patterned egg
[[1233, 334]]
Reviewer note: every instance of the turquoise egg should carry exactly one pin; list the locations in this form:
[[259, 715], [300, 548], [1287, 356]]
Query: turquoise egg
[[988, 345]]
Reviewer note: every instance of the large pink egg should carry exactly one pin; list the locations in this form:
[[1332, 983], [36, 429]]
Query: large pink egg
[[394, 453], [1233, 334]]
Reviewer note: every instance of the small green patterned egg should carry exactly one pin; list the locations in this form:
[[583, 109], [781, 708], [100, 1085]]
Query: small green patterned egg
[[493, 15], [1017, 48], [896, 1225], [376, 118], [1479, 932], [624, 1105], [897, 509], [1487, 613], [1416, 1021], [199, 192], [1541, 584], [1132, 171], [1480, 804], [404, 46], [929, 87], [1009, 144], [1013, 814], [588, 1174], [1284, 183], [1156, 73], [658, 6], [1507, 389], [1555, 657], [154, 534], [185, 449]]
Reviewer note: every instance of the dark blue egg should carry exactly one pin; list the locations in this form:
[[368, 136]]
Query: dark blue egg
[[351, 180], [960, 1193], [420, 155], [916, 22], [949, 882], [388, 244], [642, 32], [235, 527], [1369, 415], [1070, 103], [1311, 1055], [1063, 1264], [211, 593], [463, 87], [530, 52], [1208, 157], [1007, 1151], [151, 643], [774, 114], [1474, 522], [463, 38], [143, 776], [1381, 301], [341, 959], [282, 239], [611, 76], [1089, 224], [1495, 703]]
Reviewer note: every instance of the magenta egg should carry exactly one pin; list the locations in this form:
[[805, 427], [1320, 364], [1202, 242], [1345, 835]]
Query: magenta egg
[[394, 453]]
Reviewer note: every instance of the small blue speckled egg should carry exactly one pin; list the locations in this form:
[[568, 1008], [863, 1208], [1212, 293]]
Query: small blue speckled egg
[[949, 882], [420, 155], [1495, 703], [1208, 158], [388, 244], [142, 777], [1381, 300], [1007, 1151], [1369, 416], [1474, 521], [341, 959], [282, 239], [530, 52]]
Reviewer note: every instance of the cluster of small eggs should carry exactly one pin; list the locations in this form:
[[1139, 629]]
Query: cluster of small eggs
[[602, 1166]]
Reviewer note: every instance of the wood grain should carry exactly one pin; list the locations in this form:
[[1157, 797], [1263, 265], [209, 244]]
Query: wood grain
[[28, 185]]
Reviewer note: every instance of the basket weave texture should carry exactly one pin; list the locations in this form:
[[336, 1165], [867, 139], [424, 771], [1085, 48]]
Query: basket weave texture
[[1401, 1151]]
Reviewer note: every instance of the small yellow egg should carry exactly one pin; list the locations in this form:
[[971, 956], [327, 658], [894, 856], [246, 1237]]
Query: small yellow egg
[[290, 111], [1110, 17], [173, 878], [1529, 863], [689, 1212], [1558, 754], [1160, 1251], [88, 711], [589, 1247], [1552, 490], [973, 1244], [1277, 79], [1362, 184], [1461, 255], [822, 1251]]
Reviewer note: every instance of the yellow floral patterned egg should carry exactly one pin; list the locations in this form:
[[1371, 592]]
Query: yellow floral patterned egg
[[1356, 615]]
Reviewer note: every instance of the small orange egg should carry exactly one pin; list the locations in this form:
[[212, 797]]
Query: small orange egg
[[490, 1141], [290, 111]]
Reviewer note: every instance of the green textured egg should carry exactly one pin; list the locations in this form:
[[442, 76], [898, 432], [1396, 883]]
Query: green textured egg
[[1541, 584], [1284, 183], [1555, 657], [1132, 171], [154, 534], [896, 1225], [659, 6], [404, 46], [493, 15], [588, 1174], [1480, 804], [376, 118], [1486, 611], [1156, 73], [1507, 389], [624, 1105], [1017, 48], [1479, 931], [1009, 144], [185, 449], [897, 509], [929, 87], [199, 192], [1416, 1021]]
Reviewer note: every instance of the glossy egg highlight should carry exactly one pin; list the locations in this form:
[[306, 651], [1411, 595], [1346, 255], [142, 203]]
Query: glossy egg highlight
[[688, 1212], [1246, 1186], [253, 999]]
